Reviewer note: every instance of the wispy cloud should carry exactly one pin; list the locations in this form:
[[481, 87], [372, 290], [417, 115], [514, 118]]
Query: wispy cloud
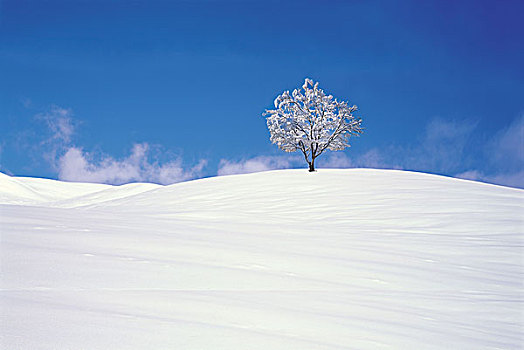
[[370, 159], [26, 102], [442, 147], [78, 165], [256, 164], [451, 147], [505, 153], [335, 160], [57, 136], [474, 175], [1, 151], [514, 179], [506, 149], [60, 123], [73, 163]]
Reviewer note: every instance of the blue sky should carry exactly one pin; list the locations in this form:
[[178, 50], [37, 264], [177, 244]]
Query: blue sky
[[165, 91]]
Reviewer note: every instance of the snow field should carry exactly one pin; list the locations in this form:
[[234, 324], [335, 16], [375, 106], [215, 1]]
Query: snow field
[[338, 259]]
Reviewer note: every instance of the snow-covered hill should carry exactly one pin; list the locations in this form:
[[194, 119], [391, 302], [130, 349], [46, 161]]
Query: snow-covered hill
[[338, 259]]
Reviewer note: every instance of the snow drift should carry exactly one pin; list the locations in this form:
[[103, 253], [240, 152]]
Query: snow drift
[[338, 259]]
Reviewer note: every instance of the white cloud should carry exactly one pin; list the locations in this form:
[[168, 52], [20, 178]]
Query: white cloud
[[1, 151], [60, 122], [515, 179], [474, 175], [370, 159], [334, 160], [73, 163], [512, 179], [505, 153], [374, 159], [58, 135], [445, 147], [440, 129], [256, 164], [78, 165], [448, 146], [441, 149], [506, 149]]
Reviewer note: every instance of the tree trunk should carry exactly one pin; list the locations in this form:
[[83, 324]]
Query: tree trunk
[[312, 165]]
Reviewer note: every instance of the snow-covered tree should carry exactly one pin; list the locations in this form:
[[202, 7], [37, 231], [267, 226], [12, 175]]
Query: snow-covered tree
[[312, 122]]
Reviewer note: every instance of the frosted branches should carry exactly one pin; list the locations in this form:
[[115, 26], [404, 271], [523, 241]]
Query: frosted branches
[[312, 122]]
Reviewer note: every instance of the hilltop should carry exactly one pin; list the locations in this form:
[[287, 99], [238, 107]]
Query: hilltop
[[338, 259]]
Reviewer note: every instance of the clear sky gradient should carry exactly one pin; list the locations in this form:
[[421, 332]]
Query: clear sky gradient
[[165, 91]]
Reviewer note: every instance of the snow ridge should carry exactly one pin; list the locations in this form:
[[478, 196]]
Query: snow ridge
[[337, 259]]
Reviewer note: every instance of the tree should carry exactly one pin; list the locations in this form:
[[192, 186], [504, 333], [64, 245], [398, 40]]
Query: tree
[[312, 122]]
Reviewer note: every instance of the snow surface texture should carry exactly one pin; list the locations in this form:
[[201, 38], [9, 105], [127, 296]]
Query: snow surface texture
[[338, 259]]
